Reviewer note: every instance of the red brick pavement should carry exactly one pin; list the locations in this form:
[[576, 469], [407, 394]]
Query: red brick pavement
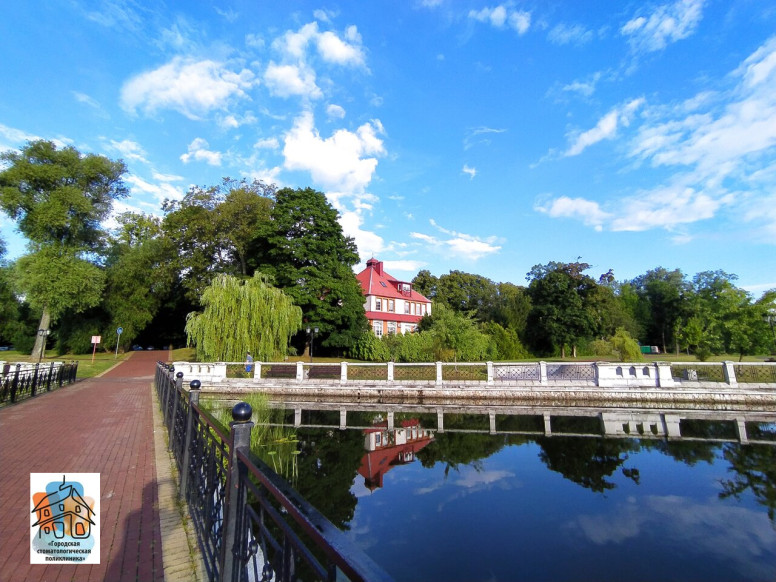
[[102, 425]]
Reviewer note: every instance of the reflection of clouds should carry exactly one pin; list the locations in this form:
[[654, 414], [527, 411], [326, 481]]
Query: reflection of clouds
[[734, 533], [469, 478]]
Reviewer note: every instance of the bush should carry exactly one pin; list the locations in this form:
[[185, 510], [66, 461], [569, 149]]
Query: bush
[[601, 348], [626, 348]]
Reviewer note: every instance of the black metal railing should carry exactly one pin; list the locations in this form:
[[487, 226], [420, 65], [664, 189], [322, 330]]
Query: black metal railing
[[249, 522], [20, 381]]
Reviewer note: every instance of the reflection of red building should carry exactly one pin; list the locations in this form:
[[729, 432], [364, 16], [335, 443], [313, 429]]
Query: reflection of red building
[[386, 449]]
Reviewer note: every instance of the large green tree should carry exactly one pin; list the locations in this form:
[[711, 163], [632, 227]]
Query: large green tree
[[661, 293], [219, 229], [59, 198], [312, 261], [241, 316], [560, 315]]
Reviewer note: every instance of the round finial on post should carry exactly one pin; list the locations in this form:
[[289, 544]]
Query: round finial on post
[[195, 384], [179, 375], [242, 412]]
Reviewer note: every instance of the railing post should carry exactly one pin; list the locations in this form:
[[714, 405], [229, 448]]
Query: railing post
[[542, 372], [193, 401], [15, 383], [390, 371], [234, 503], [344, 372], [439, 372], [730, 373], [176, 399], [35, 380], [490, 372], [48, 380], [167, 395], [299, 371]]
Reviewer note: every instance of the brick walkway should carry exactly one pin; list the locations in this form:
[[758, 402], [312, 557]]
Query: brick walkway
[[103, 425]]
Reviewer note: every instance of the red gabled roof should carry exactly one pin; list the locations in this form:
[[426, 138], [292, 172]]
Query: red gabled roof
[[375, 281]]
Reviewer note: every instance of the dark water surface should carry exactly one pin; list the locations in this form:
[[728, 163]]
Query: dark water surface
[[470, 506]]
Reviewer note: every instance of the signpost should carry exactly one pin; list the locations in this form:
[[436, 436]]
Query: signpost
[[95, 340], [118, 337]]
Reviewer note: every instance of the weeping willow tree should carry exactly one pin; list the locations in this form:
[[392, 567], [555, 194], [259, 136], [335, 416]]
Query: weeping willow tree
[[243, 316]]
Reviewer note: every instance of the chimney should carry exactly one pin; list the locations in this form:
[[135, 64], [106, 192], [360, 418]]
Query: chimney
[[376, 265]]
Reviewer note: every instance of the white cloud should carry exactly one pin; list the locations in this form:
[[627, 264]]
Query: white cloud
[[585, 88], [290, 80], [269, 143], [562, 34], [479, 136], [86, 100], [12, 138], [160, 192], [334, 50], [589, 212], [198, 152], [335, 111], [472, 172], [129, 150], [368, 243], [667, 24], [345, 162], [194, 88], [606, 128], [458, 244], [501, 16]]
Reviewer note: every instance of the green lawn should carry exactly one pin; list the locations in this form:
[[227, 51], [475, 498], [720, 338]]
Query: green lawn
[[86, 368]]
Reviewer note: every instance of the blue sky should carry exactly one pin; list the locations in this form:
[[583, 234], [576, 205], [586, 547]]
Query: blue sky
[[475, 136]]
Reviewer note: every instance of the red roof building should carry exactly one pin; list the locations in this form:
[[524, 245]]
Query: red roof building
[[391, 306]]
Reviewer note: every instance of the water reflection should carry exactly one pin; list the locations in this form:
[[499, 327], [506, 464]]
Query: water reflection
[[547, 494], [387, 448]]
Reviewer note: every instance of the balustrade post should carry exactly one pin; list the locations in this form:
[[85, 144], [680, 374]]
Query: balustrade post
[[344, 372], [390, 371], [176, 399], [439, 372], [542, 372], [299, 371], [730, 373], [234, 504], [193, 401], [490, 372]]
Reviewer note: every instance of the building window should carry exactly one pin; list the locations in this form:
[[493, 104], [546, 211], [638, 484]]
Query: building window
[[391, 327], [390, 305], [378, 305], [378, 439], [407, 307], [377, 326]]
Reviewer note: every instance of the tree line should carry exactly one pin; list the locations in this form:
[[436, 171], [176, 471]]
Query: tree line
[[268, 263]]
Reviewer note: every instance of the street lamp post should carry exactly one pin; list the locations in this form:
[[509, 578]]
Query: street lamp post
[[311, 332]]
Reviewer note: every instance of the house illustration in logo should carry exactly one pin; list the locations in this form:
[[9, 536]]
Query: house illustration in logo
[[64, 512]]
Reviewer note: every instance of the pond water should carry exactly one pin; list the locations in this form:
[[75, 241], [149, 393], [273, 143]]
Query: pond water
[[521, 497]]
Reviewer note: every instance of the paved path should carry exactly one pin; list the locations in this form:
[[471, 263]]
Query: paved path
[[104, 425]]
